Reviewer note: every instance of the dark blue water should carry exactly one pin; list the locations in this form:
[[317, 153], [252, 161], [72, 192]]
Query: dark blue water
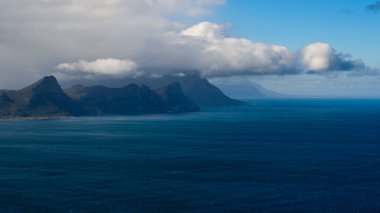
[[270, 156]]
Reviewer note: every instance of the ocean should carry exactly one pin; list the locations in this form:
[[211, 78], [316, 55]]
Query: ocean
[[300, 155]]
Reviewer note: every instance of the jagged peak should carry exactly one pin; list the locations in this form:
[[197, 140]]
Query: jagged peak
[[51, 80], [47, 83]]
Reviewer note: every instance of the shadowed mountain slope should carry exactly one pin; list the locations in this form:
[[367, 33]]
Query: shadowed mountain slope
[[133, 99], [43, 98], [46, 98], [198, 89]]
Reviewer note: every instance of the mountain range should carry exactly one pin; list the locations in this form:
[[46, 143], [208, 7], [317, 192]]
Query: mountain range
[[198, 89], [46, 98], [249, 90]]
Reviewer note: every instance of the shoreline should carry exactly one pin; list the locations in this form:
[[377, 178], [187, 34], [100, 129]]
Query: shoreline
[[43, 118], [39, 118]]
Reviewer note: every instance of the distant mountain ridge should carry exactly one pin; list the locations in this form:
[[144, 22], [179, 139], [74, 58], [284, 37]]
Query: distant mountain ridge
[[133, 99], [247, 90], [45, 98], [198, 89]]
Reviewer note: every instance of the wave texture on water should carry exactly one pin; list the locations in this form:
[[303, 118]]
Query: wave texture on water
[[269, 156]]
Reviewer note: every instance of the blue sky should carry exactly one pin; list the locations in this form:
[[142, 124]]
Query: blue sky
[[345, 24]]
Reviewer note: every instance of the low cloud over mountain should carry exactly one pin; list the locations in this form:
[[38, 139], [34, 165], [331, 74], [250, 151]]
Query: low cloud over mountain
[[221, 55], [205, 48], [99, 68], [96, 39]]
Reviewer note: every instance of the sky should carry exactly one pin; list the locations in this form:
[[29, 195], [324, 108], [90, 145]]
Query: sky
[[345, 24], [303, 47]]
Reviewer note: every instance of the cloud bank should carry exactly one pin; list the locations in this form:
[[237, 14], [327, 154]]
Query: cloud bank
[[119, 38], [225, 56], [204, 48], [99, 68]]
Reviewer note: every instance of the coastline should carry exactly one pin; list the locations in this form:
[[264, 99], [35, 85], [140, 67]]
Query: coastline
[[42, 118], [39, 118]]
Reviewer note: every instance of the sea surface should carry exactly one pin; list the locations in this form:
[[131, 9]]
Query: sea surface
[[303, 155]]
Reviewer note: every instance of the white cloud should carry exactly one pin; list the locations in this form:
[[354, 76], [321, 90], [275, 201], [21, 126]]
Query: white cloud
[[219, 55], [317, 57], [37, 35], [205, 30], [100, 67], [321, 57]]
